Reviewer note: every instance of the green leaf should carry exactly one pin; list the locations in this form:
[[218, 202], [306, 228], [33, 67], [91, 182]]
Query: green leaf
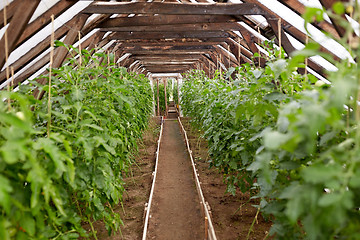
[[257, 73], [27, 222], [320, 174], [77, 94], [93, 126], [273, 139], [5, 190], [330, 199], [4, 232]]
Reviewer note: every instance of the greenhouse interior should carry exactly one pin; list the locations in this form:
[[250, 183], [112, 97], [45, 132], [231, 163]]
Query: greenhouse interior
[[180, 119]]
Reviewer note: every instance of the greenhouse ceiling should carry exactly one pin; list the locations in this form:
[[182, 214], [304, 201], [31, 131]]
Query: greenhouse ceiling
[[161, 37]]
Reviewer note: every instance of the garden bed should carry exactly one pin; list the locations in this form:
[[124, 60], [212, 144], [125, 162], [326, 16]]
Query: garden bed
[[232, 216]]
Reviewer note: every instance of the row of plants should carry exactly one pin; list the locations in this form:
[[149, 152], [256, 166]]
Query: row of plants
[[289, 139], [162, 106], [62, 159]]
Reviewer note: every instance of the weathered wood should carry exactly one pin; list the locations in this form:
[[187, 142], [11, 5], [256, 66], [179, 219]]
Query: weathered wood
[[150, 65], [88, 43], [174, 8], [192, 27], [97, 38], [94, 22], [300, 9], [167, 48], [44, 19], [289, 48], [159, 52], [10, 11], [168, 43], [290, 29], [250, 40], [168, 35], [37, 50], [167, 58], [168, 70], [162, 62], [61, 52], [328, 5], [163, 20], [16, 27]]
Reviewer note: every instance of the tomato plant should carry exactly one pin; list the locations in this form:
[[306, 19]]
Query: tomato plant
[[51, 184], [292, 143], [162, 97]]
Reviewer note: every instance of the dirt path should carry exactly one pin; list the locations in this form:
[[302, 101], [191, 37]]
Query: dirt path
[[175, 211]]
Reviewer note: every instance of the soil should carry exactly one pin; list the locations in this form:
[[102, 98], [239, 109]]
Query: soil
[[175, 211], [232, 216]]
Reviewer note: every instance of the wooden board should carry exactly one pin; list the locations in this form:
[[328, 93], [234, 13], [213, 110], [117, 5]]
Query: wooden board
[[174, 8], [192, 27]]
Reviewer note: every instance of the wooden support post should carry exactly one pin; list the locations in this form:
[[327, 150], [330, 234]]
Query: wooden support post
[[178, 91], [158, 107], [166, 106]]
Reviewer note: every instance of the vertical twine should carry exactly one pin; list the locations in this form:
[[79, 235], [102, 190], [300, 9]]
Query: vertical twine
[[50, 72], [258, 28], [7, 55], [220, 67], [229, 56], [279, 32], [239, 51], [306, 59], [10, 88], [80, 58], [6, 46]]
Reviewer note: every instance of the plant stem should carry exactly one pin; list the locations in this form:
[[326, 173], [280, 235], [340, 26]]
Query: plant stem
[[50, 68], [252, 224]]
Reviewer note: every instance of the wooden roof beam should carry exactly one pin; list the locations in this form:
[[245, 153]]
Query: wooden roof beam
[[328, 5], [10, 11], [61, 52], [16, 27], [174, 8], [290, 29], [300, 9], [163, 20], [289, 48], [192, 27], [169, 35], [44, 19]]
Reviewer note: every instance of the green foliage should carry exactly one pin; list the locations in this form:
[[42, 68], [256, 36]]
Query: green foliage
[[50, 185], [175, 93], [294, 145], [161, 97]]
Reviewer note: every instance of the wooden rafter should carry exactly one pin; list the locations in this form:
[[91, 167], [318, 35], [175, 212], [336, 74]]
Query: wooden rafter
[[168, 35], [328, 5], [44, 19], [10, 11], [288, 28], [16, 27], [37, 50], [174, 8], [192, 27], [300, 9], [61, 52], [289, 48], [163, 20]]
